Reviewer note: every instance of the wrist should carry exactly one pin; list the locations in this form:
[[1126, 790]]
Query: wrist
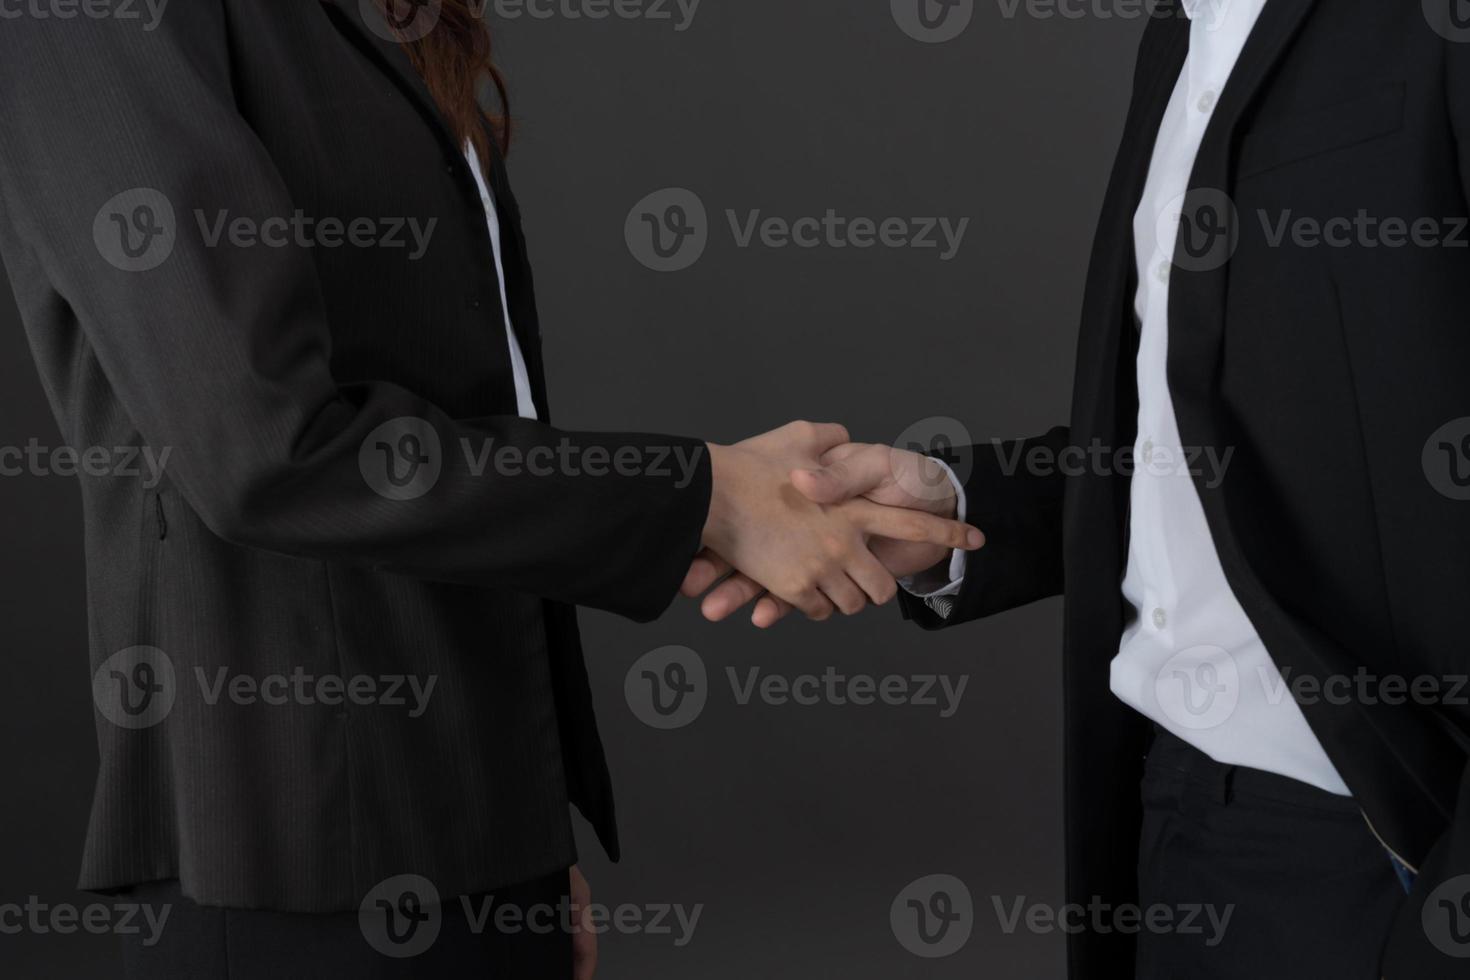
[[949, 506], [929, 581], [940, 492], [719, 518]]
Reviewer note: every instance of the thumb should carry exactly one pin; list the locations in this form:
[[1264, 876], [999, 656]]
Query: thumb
[[843, 479]]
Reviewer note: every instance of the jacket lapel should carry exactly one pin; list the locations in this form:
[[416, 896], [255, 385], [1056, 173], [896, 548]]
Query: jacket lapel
[[1198, 290], [1104, 378], [366, 25]]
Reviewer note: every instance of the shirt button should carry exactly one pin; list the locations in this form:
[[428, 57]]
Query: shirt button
[[1161, 619], [1207, 101], [1148, 450], [1162, 272]]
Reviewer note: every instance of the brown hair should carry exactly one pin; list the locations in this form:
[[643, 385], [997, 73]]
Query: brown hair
[[454, 58]]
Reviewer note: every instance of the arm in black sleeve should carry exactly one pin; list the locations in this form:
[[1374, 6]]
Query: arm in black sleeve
[[1019, 507], [222, 354]]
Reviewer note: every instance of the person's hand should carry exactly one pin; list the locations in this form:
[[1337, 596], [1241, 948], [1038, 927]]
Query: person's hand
[[881, 474], [810, 554], [584, 936]]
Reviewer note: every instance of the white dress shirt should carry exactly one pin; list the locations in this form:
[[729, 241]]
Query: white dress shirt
[[525, 403], [1191, 660]]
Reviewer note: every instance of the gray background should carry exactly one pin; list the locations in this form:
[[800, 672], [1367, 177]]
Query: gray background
[[795, 827]]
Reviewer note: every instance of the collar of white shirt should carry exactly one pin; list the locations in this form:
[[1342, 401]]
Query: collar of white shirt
[[1214, 14], [1194, 8]]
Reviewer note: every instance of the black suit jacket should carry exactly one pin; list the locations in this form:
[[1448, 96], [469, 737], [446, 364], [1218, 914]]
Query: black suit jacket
[[274, 374], [1326, 370]]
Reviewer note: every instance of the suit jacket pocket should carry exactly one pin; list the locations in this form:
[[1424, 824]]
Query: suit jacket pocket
[[1323, 131]]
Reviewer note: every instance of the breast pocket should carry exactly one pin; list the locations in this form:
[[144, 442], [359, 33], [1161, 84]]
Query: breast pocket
[[1327, 130]]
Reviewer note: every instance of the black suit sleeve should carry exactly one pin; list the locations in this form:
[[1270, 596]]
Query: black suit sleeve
[[1019, 507], [222, 355]]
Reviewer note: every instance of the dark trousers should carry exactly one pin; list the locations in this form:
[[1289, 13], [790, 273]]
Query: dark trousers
[[400, 937], [1308, 890]]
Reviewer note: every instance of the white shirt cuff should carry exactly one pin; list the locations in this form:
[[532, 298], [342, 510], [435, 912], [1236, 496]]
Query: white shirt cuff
[[931, 584]]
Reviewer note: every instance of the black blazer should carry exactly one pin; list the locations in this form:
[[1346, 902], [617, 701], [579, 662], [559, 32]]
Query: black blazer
[[274, 376], [1327, 370]]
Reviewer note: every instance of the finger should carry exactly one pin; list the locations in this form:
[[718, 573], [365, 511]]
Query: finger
[[846, 477], [769, 611], [845, 594], [819, 437], [584, 946], [812, 603], [875, 580], [844, 451], [706, 569], [914, 525], [584, 935], [736, 591]]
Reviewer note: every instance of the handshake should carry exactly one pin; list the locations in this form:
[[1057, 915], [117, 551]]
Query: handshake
[[801, 517]]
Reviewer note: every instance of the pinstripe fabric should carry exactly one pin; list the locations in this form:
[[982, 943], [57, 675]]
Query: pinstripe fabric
[[267, 552]]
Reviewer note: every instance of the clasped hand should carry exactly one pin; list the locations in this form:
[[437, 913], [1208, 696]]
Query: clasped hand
[[801, 517]]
